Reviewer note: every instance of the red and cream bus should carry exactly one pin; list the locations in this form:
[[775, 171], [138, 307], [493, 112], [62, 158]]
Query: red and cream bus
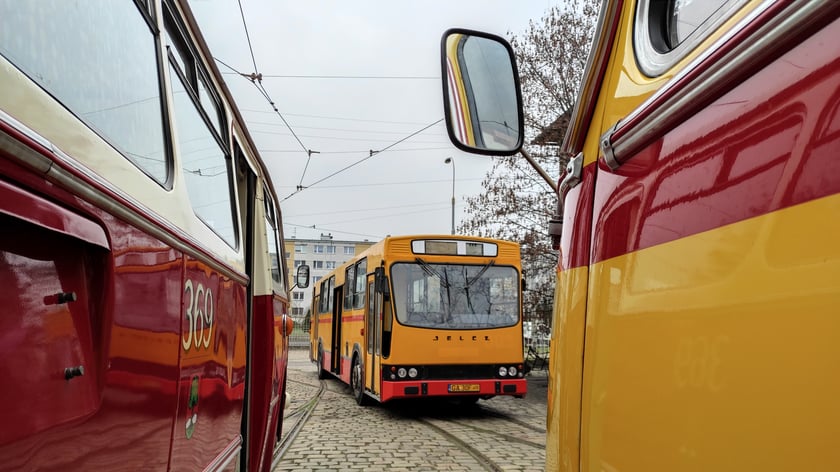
[[423, 316], [145, 301], [698, 285]]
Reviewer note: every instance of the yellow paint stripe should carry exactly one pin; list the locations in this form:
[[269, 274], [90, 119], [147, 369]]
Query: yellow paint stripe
[[719, 351]]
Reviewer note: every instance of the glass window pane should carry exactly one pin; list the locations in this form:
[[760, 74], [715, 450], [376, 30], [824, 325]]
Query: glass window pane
[[98, 58], [688, 15], [361, 278], [276, 275], [204, 163], [330, 288], [453, 296], [349, 285], [211, 107]]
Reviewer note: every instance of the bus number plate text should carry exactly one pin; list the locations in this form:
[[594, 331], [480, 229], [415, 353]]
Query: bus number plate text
[[457, 388]]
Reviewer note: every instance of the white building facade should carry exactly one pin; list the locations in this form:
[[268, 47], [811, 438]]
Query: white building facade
[[322, 256]]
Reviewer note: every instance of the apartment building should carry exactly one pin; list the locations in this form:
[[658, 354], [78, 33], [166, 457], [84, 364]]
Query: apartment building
[[321, 255]]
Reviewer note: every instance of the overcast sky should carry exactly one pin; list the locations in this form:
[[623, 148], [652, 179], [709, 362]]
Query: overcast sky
[[367, 77]]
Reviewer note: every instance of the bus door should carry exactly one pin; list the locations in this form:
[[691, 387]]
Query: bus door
[[335, 358], [314, 321], [379, 316], [372, 328]]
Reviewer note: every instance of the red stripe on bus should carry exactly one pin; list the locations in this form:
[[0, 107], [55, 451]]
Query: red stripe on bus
[[769, 144], [107, 189], [577, 215], [343, 319]]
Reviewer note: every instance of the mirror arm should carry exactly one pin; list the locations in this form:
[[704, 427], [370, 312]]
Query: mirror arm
[[551, 183]]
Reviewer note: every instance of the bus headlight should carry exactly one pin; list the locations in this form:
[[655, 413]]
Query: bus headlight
[[512, 371], [401, 372], [412, 372], [502, 371]]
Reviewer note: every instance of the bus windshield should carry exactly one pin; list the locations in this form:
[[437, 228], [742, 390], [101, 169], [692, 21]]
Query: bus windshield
[[455, 296]]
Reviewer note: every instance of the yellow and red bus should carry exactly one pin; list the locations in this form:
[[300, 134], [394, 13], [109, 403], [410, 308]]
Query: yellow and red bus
[[698, 285], [145, 301], [423, 316]]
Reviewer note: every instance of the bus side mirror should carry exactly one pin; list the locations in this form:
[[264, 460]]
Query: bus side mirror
[[302, 276], [381, 282], [481, 95]]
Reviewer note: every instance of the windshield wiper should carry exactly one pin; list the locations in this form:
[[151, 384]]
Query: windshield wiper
[[429, 270], [469, 282], [444, 280]]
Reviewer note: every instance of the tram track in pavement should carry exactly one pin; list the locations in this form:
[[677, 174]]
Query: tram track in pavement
[[508, 437], [483, 432], [302, 414], [321, 386], [486, 462], [506, 417]]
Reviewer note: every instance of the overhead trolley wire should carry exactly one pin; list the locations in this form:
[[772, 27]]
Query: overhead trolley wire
[[256, 79], [337, 117], [333, 230], [345, 77], [372, 153], [248, 37], [359, 152], [348, 130]]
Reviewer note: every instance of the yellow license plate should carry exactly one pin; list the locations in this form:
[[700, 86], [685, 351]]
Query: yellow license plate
[[464, 388]]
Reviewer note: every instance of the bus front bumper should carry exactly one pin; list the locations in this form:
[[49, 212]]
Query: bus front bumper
[[453, 388]]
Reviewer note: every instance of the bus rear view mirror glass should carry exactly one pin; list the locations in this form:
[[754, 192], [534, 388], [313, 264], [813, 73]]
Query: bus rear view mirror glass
[[302, 276], [481, 95], [381, 281]]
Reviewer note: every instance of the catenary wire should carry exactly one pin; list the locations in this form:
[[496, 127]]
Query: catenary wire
[[372, 153]]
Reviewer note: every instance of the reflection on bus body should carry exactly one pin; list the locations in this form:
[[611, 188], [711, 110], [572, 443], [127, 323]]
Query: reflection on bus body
[[455, 296]]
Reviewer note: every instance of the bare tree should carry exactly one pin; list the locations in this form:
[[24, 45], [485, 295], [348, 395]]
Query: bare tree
[[517, 204]]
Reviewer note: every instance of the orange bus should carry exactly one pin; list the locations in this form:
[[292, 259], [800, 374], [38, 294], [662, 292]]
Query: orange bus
[[698, 284], [423, 316]]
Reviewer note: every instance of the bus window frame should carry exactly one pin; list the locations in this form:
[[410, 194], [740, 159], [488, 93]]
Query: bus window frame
[[650, 34], [360, 285], [404, 322], [184, 61], [271, 230]]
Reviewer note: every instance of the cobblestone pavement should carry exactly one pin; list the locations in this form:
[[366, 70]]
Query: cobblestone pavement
[[502, 433]]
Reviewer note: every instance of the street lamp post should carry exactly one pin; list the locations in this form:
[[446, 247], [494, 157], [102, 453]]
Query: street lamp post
[[451, 160]]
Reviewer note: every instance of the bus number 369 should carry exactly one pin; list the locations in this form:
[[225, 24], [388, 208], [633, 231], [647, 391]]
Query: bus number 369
[[199, 315]]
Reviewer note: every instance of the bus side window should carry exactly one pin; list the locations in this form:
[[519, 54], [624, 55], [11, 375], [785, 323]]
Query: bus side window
[[371, 312], [113, 89], [358, 287], [387, 326], [277, 274], [349, 284]]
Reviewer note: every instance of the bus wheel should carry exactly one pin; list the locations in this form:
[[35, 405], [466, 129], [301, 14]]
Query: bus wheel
[[322, 374], [357, 382]]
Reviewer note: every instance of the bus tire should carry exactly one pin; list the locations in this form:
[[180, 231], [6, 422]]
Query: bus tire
[[357, 382]]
